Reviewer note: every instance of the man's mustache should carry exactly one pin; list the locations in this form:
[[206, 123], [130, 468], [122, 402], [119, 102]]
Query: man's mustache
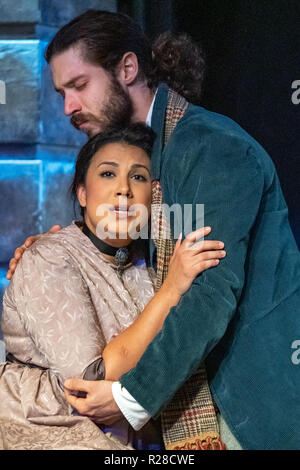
[[79, 119]]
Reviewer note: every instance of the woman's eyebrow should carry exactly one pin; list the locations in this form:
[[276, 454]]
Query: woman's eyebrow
[[138, 165], [108, 163]]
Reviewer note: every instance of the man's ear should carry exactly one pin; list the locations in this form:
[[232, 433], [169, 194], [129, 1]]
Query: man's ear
[[128, 69], [81, 195]]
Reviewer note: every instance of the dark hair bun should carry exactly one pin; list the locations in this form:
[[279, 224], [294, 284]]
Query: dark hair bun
[[179, 62]]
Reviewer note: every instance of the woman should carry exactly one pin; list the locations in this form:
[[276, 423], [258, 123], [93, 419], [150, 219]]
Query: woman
[[81, 306]]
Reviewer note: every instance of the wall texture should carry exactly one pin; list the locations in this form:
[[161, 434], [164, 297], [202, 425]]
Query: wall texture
[[37, 144]]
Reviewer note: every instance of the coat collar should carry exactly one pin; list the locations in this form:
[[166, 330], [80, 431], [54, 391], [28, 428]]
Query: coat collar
[[158, 125]]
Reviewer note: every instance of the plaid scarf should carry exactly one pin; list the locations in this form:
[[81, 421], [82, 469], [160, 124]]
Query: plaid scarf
[[189, 421]]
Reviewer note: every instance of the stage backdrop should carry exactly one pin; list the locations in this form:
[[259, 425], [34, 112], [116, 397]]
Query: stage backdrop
[[37, 144], [253, 76], [253, 57]]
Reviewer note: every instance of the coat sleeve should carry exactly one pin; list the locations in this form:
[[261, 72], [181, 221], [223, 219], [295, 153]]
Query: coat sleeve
[[224, 173], [51, 312]]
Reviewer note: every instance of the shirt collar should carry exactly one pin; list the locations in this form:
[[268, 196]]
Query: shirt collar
[[149, 115]]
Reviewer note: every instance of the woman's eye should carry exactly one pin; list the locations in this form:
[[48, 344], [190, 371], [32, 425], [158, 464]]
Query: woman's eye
[[139, 178], [106, 174]]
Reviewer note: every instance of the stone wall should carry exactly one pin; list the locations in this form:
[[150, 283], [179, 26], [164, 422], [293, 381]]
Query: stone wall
[[37, 143]]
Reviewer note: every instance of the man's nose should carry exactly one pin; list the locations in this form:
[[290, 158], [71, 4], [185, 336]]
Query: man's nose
[[72, 105]]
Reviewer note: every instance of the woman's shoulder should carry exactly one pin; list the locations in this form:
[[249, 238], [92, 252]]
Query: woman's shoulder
[[64, 236], [52, 248], [47, 265]]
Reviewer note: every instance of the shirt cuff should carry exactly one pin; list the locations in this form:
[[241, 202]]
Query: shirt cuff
[[135, 414]]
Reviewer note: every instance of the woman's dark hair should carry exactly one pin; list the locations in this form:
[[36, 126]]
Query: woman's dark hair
[[138, 135], [104, 37]]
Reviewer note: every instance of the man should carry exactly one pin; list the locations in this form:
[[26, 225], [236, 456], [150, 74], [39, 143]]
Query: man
[[241, 317]]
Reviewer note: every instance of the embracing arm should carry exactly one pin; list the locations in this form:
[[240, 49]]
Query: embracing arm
[[227, 179], [123, 351]]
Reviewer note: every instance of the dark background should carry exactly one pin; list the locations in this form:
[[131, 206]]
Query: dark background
[[253, 56]]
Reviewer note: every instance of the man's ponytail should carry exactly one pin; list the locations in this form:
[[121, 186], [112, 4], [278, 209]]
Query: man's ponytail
[[179, 62]]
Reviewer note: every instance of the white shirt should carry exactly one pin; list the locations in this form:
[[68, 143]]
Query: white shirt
[[135, 414]]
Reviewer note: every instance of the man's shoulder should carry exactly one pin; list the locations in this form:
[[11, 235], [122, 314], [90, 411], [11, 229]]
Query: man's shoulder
[[216, 136], [199, 121]]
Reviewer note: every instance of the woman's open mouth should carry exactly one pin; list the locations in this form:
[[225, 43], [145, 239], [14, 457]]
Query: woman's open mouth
[[123, 211]]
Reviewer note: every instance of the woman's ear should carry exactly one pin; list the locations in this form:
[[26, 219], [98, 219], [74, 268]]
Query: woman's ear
[[81, 195], [128, 69]]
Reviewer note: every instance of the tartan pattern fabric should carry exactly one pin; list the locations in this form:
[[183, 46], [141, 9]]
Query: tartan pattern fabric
[[189, 421], [162, 236]]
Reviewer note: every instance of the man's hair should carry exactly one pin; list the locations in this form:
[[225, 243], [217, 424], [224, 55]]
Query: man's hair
[[137, 135], [104, 37]]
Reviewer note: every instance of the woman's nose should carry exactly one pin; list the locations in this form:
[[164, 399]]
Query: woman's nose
[[125, 192], [124, 189]]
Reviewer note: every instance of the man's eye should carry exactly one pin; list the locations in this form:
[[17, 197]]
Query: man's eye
[[106, 174], [80, 87]]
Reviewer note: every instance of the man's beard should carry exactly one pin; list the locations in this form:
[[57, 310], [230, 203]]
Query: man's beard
[[116, 111]]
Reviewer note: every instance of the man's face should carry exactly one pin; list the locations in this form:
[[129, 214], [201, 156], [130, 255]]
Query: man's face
[[94, 99]]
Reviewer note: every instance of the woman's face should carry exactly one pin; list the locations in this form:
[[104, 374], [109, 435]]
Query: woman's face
[[118, 179]]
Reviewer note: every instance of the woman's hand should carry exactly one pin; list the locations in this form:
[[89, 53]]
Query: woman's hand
[[190, 258], [21, 249]]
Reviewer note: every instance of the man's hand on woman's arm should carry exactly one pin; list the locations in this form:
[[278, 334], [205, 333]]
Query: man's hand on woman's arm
[[20, 250]]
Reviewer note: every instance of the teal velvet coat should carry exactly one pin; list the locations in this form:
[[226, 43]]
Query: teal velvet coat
[[243, 315]]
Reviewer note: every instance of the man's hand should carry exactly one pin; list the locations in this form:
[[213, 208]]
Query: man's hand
[[20, 250], [99, 404]]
